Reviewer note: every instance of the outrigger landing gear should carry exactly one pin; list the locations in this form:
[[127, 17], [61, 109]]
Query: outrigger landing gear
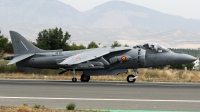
[[85, 78], [74, 79], [131, 78]]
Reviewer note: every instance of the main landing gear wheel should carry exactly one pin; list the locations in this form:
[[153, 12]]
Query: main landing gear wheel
[[130, 79], [85, 78], [74, 79]]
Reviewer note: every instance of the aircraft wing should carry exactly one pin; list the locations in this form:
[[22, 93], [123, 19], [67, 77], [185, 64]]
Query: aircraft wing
[[19, 58], [120, 49], [89, 55], [84, 56]]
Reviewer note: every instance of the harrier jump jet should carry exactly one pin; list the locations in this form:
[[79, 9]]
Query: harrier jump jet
[[92, 62]]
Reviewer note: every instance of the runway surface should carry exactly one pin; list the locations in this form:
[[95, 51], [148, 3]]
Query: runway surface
[[101, 95]]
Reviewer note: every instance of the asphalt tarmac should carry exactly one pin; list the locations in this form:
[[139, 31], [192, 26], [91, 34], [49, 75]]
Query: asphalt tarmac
[[101, 95]]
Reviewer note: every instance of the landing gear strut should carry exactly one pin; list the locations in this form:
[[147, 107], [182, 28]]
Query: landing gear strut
[[131, 78], [85, 78], [74, 79]]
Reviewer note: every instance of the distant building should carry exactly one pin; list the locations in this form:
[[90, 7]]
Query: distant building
[[196, 64]]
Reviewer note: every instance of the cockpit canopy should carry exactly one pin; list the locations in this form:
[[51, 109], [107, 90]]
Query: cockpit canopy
[[155, 47]]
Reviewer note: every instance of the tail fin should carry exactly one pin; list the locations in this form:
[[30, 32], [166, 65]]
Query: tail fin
[[21, 45]]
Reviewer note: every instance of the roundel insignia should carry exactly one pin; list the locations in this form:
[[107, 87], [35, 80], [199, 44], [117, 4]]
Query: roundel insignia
[[123, 58], [78, 58]]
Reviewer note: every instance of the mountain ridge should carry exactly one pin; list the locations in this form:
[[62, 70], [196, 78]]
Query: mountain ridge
[[138, 17], [113, 20], [112, 14]]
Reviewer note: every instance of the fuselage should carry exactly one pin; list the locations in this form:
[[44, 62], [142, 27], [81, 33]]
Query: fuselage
[[138, 58]]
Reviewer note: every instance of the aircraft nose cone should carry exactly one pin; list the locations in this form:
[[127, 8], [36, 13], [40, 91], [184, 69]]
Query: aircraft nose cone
[[182, 58], [190, 58]]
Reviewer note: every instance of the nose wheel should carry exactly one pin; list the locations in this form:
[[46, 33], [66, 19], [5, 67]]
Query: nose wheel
[[131, 78]]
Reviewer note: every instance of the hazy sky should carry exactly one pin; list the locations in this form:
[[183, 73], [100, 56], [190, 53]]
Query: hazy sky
[[184, 8]]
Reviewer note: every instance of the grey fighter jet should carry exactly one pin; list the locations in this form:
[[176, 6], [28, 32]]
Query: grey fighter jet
[[92, 62]]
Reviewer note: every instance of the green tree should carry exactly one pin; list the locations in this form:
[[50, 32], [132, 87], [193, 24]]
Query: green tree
[[193, 52], [92, 45], [189, 66], [179, 67], [53, 39], [126, 45], [104, 46], [76, 47], [3, 42], [81, 46], [115, 44], [159, 67], [73, 46], [9, 48], [182, 66]]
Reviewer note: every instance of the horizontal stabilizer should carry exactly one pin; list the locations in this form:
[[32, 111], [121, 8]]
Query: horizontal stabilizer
[[19, 58]]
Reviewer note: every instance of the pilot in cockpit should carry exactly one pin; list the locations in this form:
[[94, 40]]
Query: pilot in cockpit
[[155, 47]]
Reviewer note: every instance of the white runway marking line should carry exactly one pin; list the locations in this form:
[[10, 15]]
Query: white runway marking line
[[100, 99]]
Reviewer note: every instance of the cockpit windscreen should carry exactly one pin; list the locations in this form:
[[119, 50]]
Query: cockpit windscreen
[[155, 47]]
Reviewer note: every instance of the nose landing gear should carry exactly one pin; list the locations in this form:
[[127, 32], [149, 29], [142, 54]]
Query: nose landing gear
[[131, 78]]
